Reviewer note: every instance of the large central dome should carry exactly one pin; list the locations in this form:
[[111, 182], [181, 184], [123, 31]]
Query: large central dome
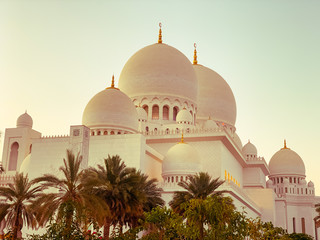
[[159, 69], [215, 97]]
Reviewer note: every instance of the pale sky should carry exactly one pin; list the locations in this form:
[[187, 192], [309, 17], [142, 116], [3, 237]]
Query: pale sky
[[56, 55]]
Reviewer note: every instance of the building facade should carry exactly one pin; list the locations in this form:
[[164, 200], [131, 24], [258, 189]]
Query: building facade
[[171, 118]]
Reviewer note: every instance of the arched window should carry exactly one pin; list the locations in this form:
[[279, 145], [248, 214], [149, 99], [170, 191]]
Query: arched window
[[165, 113], [167, 131], [294, 224], [105, 133], [303, 225], [99, 133], [175, 112], [92, 133], [119, 132], [13, 157], [146, 108], [112, 133], [155, 112], [147, 129]]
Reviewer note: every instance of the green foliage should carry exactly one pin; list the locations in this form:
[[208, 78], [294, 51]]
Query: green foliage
[[60, 230], [163, 223], [299, 236], [131, 234], [264, 230]]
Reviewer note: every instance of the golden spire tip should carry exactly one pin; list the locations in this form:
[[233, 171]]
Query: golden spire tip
[[112, 84], [285, 144], [182, 140], [160, 34], [195, 61]]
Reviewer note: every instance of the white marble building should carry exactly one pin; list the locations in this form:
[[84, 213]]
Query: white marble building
[[162, 94]]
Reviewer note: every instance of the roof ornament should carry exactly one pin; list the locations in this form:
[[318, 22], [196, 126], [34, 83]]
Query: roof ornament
[[195, 61], [160, 34], [285, 145], [182, 140], [112, 84]]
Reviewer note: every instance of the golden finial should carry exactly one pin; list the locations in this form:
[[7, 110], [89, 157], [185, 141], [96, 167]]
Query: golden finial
[[195, 62], [285, 145], [182, 140], [112, 84], [160, 34]]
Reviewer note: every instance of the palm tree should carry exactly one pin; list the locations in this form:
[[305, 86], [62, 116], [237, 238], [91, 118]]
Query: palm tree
[[126, 191], [16, 201], [199, 186], [114, 183], [71, 198], [149, 196]]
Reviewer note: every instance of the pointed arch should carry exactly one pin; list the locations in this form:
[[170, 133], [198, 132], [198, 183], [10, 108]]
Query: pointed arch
[[13, 160], [165, 112]]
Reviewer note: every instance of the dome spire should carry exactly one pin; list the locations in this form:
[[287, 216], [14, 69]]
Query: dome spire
[[112, 84], [182, 140], [285, 144], [195, 61], [160, 34]]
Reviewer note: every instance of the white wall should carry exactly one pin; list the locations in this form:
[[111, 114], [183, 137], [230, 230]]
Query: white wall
[[130, 147]]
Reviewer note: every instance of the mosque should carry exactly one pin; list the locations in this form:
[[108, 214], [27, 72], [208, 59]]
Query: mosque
[[171, 118]]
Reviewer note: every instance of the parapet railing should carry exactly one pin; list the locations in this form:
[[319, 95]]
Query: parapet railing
[[178, 132], [56, 136]]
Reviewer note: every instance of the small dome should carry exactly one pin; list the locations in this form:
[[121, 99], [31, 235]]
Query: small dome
[[249, 149], [160, 70], [286, 162], [181, 159], [184, 116], [269, 183], [142, 114], [24, 120], [25, 166], [310, 184], [111, 108], [303, 182], [215, 97], [210, 124]]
